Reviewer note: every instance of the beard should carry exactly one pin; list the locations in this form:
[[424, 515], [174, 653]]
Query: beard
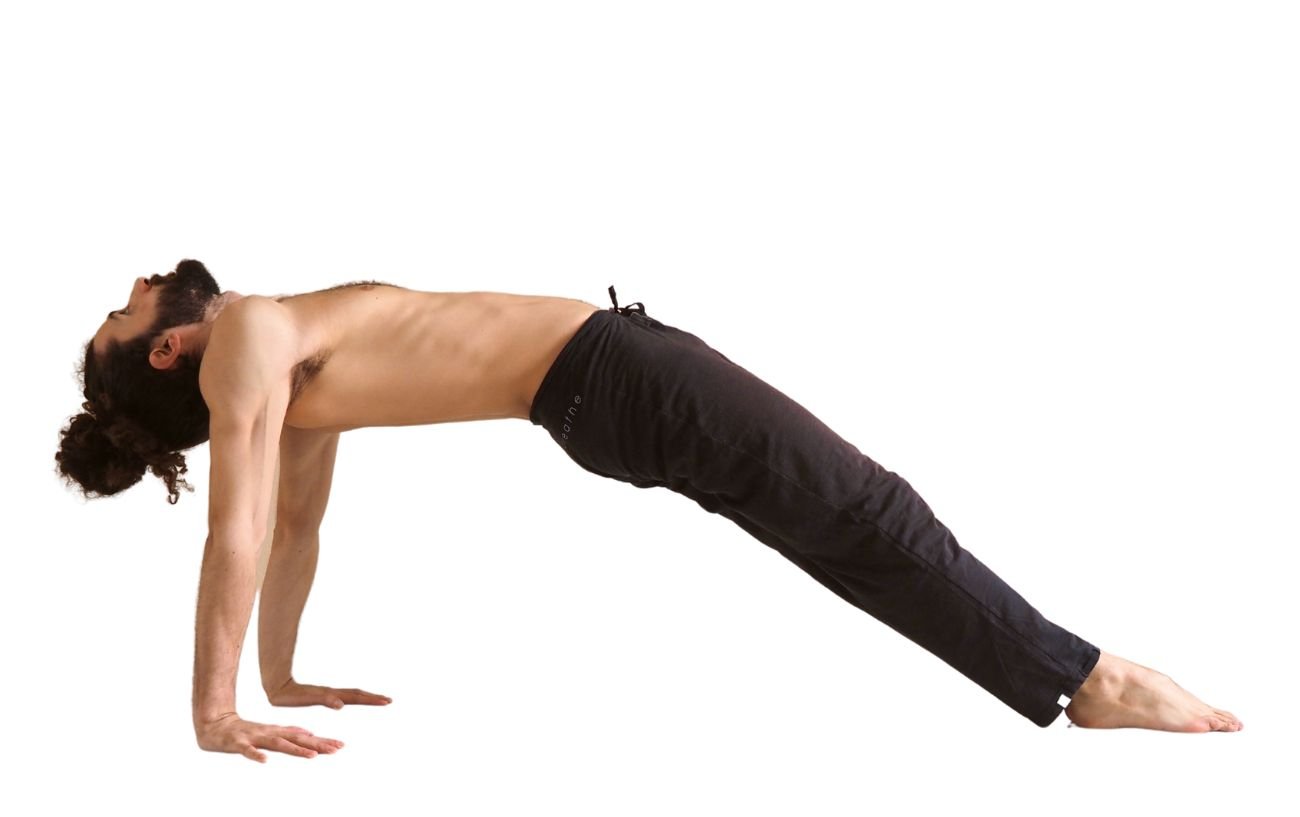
[[185, 295]]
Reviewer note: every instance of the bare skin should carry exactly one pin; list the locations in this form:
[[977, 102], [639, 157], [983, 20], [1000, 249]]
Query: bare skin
[[382, 355], [1119, 693], [283, 376], [396, 356]]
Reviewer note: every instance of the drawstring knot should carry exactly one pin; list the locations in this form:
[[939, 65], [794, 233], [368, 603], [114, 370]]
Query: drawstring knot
[[636, 306]]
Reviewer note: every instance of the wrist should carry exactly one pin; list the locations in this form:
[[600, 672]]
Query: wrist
[[279, 683], [209, 717]]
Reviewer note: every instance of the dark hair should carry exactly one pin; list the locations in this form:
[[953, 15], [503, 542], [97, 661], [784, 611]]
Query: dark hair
[[135, 418]]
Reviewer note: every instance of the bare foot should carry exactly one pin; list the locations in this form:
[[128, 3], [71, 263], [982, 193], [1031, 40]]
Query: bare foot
[[1119, 693]]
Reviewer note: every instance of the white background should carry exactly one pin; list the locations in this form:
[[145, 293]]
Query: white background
[[1038, 258]]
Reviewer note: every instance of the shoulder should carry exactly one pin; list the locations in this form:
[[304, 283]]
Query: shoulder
[[249, 353], [253, 312]]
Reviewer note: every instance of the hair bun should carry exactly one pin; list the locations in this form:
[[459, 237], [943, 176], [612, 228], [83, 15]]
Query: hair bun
[[99, 455]]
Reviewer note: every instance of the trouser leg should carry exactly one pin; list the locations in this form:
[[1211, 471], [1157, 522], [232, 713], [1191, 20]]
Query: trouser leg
[[658, 407], [877, 545]]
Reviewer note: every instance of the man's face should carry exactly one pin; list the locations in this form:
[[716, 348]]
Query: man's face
[[158, 303]]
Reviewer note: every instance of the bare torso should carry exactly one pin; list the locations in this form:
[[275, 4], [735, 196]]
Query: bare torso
[[374, 354]]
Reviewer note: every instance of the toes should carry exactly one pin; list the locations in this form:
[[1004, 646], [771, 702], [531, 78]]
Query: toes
[[1233, 723]]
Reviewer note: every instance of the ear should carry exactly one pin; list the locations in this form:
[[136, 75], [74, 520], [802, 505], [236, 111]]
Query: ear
[[166, 351]]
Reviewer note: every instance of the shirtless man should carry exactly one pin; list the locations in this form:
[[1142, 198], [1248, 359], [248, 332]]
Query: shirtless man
[[260, 377]]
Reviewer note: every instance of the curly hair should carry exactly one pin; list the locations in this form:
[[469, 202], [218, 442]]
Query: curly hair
[[135, 418]]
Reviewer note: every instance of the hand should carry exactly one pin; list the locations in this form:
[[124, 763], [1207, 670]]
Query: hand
[[292, 693], [230, 733]]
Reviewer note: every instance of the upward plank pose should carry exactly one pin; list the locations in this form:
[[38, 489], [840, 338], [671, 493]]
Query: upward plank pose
[[625, 396]]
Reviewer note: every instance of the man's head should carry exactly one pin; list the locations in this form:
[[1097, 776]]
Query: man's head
[[141, 387]]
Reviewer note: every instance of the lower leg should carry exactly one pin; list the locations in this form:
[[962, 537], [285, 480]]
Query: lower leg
[[1120, 693]]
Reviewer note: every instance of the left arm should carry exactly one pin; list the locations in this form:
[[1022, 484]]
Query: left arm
[[306, 471]]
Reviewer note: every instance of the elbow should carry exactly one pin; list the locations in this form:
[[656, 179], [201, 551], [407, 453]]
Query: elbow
[[294, 526], [235, 538]]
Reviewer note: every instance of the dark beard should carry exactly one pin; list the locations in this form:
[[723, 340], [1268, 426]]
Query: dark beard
[[185, 295]]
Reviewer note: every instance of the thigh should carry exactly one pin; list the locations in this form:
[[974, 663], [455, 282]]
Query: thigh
[[664, 408]]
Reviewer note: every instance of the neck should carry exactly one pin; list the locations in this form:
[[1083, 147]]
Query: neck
[[198, 333], [219, 303]]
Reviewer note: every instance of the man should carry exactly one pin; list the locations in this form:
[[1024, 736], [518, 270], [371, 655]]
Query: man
[[625, 396]]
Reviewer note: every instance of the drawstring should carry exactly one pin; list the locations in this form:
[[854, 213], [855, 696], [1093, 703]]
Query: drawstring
[[635, 306]]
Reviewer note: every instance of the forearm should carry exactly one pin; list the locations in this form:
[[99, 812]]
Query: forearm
[[289, 575], [227, 584]]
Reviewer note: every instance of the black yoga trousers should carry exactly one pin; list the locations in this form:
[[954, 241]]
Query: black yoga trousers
[[636, 400]]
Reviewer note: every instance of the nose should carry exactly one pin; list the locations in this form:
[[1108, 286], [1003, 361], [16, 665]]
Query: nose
[[140, 285]]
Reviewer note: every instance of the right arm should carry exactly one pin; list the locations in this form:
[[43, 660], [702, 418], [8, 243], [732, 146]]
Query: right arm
[[246, 401], [244, 381]]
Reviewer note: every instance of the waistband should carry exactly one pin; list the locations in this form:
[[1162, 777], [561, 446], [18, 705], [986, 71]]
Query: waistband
[[566, 359], [635, 306]]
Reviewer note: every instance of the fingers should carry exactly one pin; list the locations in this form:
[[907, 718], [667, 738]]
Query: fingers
[[302, 737], [334, 698], [291, 740], [290, 748], [360, 696], [328, 745]]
